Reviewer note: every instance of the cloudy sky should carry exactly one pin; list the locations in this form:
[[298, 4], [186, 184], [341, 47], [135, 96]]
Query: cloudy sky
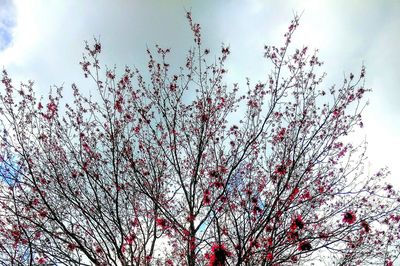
[[43, 40]]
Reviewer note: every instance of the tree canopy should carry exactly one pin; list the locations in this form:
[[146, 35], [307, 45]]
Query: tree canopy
[[176, 167]]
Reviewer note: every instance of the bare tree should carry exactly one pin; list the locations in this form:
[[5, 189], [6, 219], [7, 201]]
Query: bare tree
[[176, 168]]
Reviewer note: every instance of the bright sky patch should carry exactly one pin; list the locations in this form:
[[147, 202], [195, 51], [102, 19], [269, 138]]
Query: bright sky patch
[[7, 22]]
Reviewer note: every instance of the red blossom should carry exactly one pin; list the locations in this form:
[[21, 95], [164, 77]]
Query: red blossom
[[41, 260], [304, 246], [254, 200], [172, 87], [97, 47], [280, 136], [52, 107], [280, 170], [254, 244], [51, 110], [161, 222], [306, 195], [186, 232], [366, 226], [256, 210], [206, 200], [86, 147], [110, 75], [349, 217], [129, 239], [98, 249], [214, 174], [294, 193], [292, 236], [218, 184], [71, 246], [336, 113], [148, 258], [219, 254], [389, 262], [118, 104], [297, 223], [190, 218], [323, 235], [223, 199], [43, 213], [252, 103], [16, 234], [38, 235], [35, 201], [360, 93]]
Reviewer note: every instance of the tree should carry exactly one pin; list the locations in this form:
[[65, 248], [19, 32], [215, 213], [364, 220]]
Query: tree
[[161, 171]]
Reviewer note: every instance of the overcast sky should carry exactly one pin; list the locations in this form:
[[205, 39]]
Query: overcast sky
[[43, 40]]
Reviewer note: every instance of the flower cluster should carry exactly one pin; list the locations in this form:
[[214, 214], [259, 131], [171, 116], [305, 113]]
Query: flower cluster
[[297, 223], [206, 197], [161, 222], [218, 256], [304, 246]]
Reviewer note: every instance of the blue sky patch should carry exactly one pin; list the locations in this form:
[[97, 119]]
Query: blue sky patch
[[5, 38], [7, 22]]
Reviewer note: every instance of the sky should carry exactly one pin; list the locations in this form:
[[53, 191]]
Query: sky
[[43, 40]]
